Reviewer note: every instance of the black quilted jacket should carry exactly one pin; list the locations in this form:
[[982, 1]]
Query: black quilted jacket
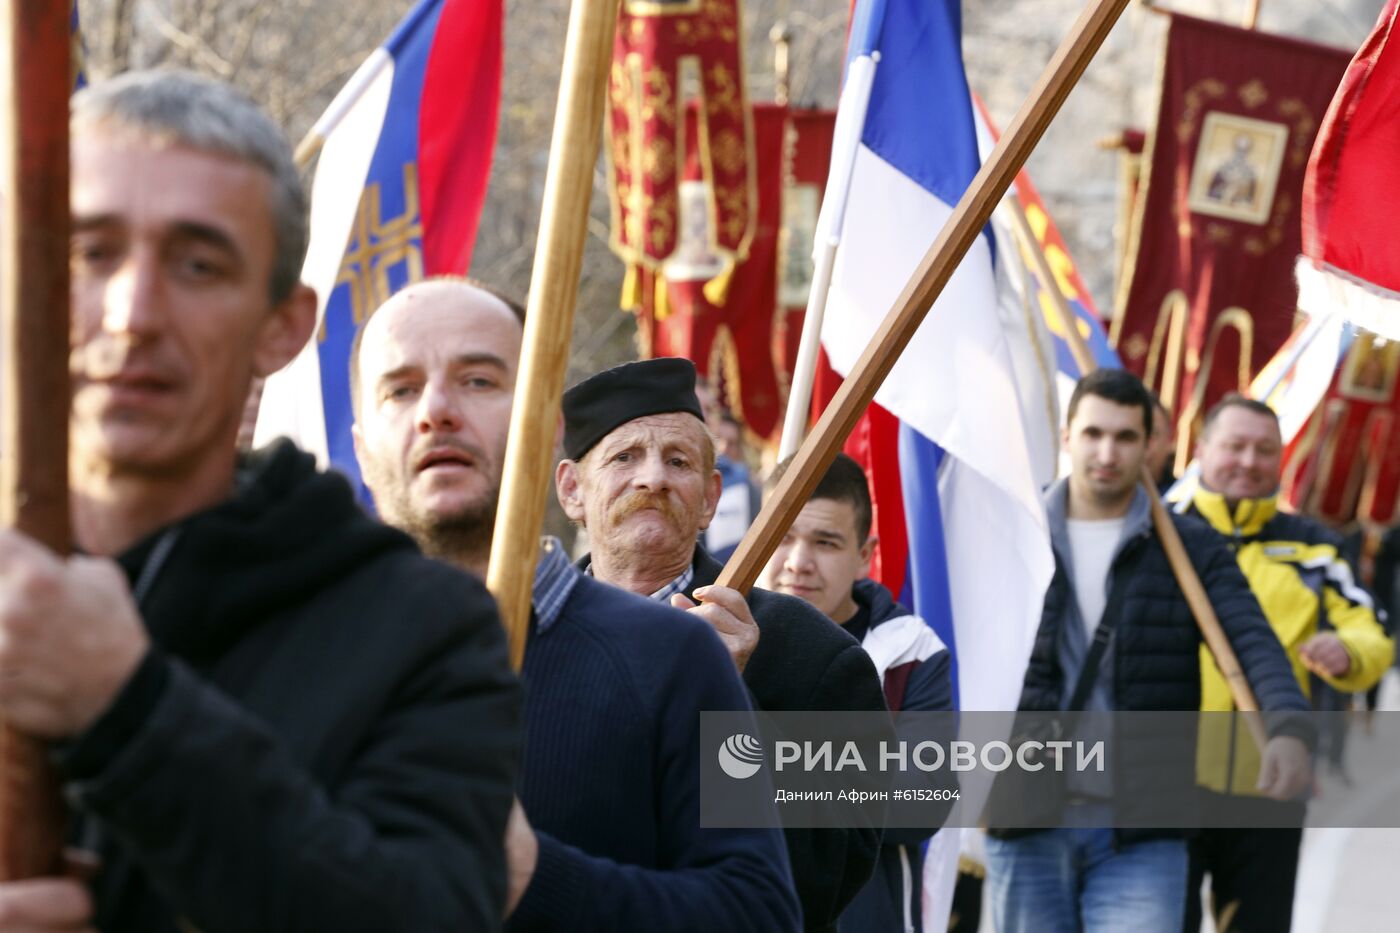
[[1156, 646]]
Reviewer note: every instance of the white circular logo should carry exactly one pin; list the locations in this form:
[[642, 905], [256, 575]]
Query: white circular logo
[[741, 756]]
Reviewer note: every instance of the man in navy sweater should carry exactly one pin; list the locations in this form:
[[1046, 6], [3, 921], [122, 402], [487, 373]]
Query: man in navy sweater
[[824, 559], [607, 835]]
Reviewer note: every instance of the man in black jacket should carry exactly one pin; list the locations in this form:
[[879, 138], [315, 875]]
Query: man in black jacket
[[1116, 634], [640, 478], [270, 712], [825, 559]]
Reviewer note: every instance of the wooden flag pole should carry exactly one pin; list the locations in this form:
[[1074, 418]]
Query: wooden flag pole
[[1185, 573], [1251, 14], [1203, 611], [549, 319], [894, 334], [34, 253]]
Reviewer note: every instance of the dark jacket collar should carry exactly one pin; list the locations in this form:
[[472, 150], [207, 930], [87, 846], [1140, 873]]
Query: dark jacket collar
[[288, 531], [707, 569], [875, 598]]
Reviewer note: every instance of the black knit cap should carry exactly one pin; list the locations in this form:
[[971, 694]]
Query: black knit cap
[[602, 402]]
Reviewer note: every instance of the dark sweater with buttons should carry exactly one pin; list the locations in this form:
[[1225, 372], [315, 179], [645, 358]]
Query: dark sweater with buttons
[[614, 689]]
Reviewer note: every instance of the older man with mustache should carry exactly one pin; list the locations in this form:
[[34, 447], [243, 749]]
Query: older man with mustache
[[640, 477]]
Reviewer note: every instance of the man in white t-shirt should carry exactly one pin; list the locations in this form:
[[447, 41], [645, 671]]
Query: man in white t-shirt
[[1116, 634]]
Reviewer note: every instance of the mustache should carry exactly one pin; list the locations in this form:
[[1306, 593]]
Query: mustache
[[637, 501]]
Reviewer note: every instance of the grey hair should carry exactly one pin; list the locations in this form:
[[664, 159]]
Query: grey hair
[[180, 108]]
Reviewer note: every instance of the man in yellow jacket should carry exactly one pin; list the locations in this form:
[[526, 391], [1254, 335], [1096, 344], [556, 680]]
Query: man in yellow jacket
[[1326, 623]]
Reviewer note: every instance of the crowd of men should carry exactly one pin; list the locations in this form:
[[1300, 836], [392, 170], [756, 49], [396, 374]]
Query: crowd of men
[[271, 711]]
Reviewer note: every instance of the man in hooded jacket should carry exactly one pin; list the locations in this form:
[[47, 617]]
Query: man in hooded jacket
[[270, 713]]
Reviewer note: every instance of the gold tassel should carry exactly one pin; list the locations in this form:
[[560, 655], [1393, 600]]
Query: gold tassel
[[631, 297], [717, 289], [661, 307]]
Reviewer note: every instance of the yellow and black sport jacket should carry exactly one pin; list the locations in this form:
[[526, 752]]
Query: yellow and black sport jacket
[[1296, 571]]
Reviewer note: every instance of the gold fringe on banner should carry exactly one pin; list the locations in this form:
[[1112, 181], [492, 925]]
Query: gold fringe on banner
[[661, 309], [631, 297], [717, 289]]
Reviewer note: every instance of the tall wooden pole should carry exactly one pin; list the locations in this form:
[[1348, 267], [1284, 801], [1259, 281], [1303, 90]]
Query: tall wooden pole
[[33, 421], [958, 234], [549, 318], [1251, 13]]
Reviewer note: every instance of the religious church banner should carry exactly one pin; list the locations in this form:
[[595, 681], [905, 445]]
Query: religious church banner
[[747, 344], [1208, 295], [668, 54], [1344, 465]]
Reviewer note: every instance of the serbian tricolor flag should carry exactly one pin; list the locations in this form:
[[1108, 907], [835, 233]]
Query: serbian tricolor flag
[[1351, 195], [397, 197], [955, 491]]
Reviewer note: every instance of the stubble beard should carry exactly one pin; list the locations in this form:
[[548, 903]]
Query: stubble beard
[[1116, 496], [461, 537]]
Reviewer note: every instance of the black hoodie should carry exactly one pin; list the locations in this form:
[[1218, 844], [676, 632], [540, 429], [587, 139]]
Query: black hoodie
[[323, 736]]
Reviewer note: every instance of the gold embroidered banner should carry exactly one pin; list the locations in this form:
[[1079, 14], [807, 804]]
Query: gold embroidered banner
[[1208, 295], [668, 53], [747, 346]]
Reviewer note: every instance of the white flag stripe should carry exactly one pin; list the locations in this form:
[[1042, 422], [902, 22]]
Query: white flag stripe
[[954, 382], [291, 403]]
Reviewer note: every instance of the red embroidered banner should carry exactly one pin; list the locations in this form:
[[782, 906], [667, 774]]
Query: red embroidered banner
[[1209, 294], [746, 345], [668, 53]]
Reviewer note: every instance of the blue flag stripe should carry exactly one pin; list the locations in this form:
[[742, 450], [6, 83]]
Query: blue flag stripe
[[397, 148]]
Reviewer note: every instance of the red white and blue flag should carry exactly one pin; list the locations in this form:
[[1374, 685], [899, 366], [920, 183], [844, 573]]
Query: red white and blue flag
[[958, 479], [397, 197], [1299, 375], [953, 390]]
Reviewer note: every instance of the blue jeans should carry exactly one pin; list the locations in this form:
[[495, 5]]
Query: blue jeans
[[1073, 880]]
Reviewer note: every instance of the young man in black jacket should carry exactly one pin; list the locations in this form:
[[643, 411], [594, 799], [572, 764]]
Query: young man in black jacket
[[640, 477], [1113, 588], [825, 559], [271, 713]]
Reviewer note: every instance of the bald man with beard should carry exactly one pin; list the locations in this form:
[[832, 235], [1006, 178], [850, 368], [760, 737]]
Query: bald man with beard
[[607, 835]]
